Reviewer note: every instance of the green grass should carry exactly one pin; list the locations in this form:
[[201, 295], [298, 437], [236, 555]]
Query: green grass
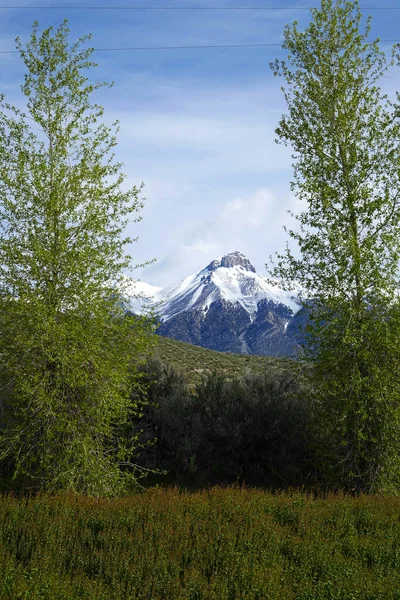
[[218, 544], [195, 361]]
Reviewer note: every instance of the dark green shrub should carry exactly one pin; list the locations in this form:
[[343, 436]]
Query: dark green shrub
[[253, 429], [167, 394], [257, 429]]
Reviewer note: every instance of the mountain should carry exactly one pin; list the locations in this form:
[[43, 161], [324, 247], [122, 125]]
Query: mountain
[[227, 306]]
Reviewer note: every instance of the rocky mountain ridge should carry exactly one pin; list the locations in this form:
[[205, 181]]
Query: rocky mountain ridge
[[227, 306]]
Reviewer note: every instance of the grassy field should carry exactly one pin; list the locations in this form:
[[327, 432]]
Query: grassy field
[[219, 544], [195, 361]]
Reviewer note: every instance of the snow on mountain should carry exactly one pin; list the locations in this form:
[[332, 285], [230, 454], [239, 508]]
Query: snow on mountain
[[231, 277], [141, 295]]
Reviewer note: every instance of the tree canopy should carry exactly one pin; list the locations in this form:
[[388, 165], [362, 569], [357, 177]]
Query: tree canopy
[[67, 349], [344, 132]]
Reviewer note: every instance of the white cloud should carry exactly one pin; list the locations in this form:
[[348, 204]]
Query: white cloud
[[214, 178], [252, 225], [250, 212]]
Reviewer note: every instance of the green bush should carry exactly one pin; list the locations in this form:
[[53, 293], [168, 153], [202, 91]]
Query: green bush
[[253, 429], [257, 429]]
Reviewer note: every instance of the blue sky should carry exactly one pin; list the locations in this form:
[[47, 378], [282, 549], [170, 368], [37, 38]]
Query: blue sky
[[197, 126]]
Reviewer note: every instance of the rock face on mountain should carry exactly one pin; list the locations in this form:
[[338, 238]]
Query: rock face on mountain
[[234, 259], [220, 327], [229, 307]]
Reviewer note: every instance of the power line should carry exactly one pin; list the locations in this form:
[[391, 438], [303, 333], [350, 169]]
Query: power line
[[186, 8], [189, 47], [203, 47], [168, 47]]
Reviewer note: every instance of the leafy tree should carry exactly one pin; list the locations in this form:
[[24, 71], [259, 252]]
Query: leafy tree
[[345, 136], [66, 346]]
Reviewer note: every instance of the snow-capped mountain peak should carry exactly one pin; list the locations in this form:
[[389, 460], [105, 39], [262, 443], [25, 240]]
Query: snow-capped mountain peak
[[231, 277]]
